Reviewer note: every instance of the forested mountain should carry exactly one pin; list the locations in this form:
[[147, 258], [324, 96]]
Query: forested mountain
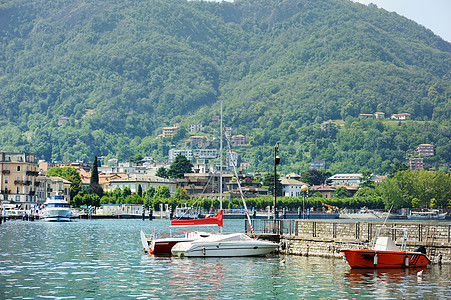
[[121, 70]]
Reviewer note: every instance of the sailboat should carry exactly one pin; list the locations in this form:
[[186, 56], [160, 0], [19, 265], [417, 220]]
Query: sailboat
[[157, 245], [226, 245]]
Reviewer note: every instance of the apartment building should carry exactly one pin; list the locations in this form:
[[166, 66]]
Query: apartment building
[[19, 171], [425, 150]]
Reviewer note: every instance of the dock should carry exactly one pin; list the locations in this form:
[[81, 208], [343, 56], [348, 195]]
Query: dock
[[326, 237]]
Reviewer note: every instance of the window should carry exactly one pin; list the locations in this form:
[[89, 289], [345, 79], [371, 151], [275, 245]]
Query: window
[[17, 190], [6, 179], [18, 168], [6, 167]]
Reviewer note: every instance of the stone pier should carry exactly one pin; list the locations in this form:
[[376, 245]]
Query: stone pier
[[327, 237]]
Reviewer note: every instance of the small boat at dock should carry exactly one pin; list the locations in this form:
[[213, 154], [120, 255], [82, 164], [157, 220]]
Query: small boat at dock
[[224, 245], [432, 214], [386, 254]]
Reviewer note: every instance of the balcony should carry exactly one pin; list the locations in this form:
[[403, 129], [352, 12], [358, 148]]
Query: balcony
[[32, 173], [22, 182], [5, 192], [32, 193], [37, 183], [6, 171]]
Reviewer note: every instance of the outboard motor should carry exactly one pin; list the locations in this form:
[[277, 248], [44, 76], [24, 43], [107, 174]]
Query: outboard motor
[[421, 249]]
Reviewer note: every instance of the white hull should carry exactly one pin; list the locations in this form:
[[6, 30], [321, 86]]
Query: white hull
[[56, 215], [224, 246], [56, 209]]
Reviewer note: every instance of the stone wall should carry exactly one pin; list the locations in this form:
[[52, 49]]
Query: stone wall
[[327, 237]]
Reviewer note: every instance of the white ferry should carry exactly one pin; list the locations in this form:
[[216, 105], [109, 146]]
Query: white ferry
[[56, 209]]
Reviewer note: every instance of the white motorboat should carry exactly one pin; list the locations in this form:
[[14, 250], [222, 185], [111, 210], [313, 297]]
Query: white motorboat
[[224, 245], [56, 209], [432, 214]]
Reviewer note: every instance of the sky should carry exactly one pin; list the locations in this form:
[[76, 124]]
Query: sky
[[432, 14]]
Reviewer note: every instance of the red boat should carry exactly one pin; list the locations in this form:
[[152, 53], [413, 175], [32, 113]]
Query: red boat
[[155, 245], [386, 254]]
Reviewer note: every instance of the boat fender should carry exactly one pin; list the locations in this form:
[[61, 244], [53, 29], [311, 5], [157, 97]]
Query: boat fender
[[375, 260], [406, 261], [283, 245], [203, 250]]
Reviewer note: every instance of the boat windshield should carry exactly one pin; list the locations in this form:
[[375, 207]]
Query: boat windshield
[[57, 205]]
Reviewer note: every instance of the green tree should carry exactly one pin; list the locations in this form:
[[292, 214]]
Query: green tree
[[137, 159], [268, 180], [162, 172], [94, 186], [162, 192], [140, 190], [399, 166], [180, 166], [341, 192]]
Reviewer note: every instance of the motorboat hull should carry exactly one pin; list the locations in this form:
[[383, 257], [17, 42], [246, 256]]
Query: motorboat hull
[[358, 258], [224, 249], [57, 215], [164, 246]]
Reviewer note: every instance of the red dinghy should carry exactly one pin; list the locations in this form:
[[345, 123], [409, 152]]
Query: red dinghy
[[386, 254]]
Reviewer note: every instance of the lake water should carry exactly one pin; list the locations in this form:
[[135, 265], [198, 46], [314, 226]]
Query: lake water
[[103, 259]]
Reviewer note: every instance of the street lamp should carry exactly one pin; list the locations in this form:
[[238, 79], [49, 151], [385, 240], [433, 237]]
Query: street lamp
[[304, 189], [276, 162]]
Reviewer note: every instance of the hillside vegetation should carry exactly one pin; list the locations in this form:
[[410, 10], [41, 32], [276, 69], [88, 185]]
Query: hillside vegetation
[[121, 70]]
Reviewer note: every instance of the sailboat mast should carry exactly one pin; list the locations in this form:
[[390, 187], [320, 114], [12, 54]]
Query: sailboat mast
[[220, 166]]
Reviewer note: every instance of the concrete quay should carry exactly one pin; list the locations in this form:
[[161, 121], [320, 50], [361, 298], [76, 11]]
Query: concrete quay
[[326, 237]]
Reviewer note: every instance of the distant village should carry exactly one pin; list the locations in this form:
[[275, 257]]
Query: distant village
[[23, 179]]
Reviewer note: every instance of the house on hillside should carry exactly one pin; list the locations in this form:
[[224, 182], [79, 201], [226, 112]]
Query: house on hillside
[[425, 150], [379, 115], [199, 141], [238, 140], [318, 164], [195, 127], [416, 163], [366, 116], [400, 117]]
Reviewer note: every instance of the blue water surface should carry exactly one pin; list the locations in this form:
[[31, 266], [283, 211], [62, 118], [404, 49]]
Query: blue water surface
[[103, 259]]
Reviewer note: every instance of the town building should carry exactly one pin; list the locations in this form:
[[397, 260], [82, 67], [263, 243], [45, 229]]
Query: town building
[[239, 140], [169, 132], [425, 150], [174, 152], [345, 179], [291, 187], [195, 127], [232, 159], [134, 180], [328, 191], [416, 163], [18, 178], [318, 164], [206, 153], [48, 185], [199, 141]]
